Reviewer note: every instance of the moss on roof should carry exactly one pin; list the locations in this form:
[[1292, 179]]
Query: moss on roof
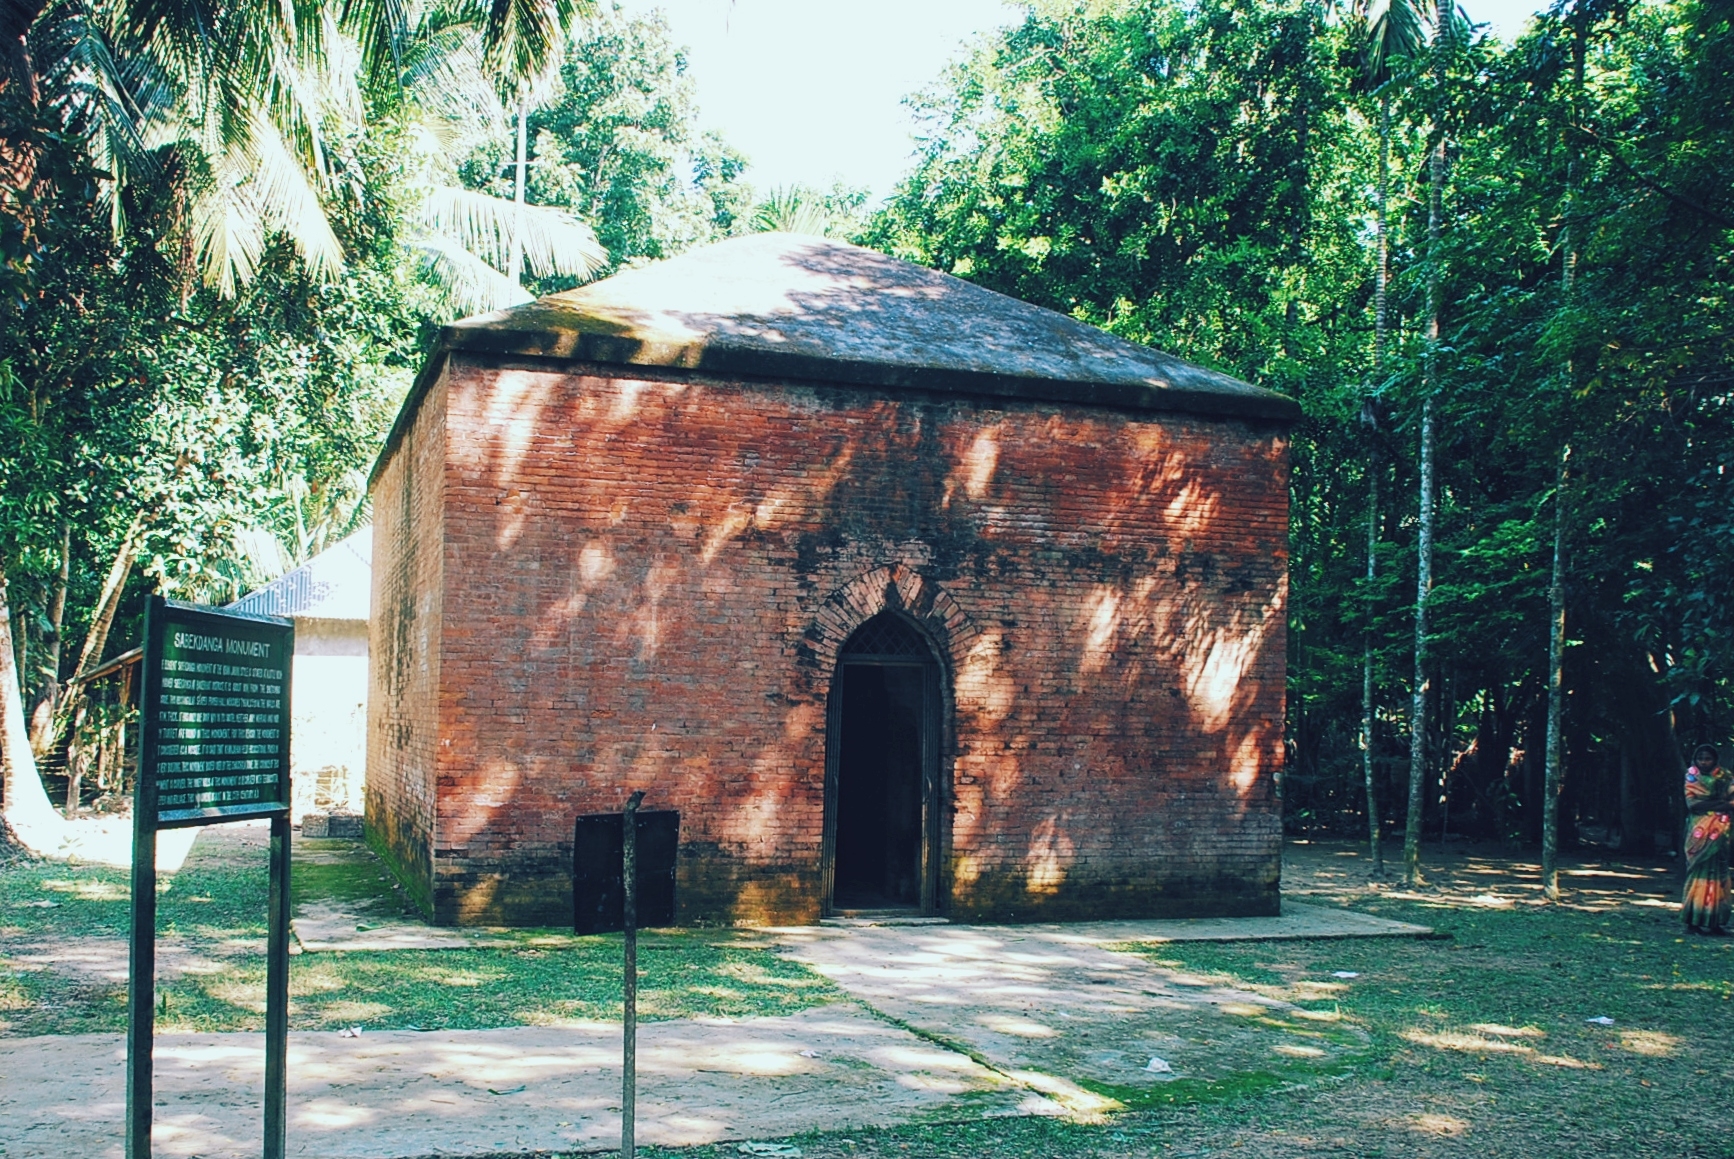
[[783, 306]]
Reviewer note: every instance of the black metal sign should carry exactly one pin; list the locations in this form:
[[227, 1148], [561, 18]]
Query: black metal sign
[[213, 748], [598, 892]]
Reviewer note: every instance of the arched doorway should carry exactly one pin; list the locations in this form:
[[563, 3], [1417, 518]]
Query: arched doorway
[[882, 771]]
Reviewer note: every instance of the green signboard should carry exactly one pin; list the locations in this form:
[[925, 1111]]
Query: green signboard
[[216, 715], [213, 748]]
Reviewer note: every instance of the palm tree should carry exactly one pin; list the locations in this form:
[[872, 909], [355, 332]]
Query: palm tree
[[1396, 35], [476, 246], [231, 103], [792, 209], [236, 102]]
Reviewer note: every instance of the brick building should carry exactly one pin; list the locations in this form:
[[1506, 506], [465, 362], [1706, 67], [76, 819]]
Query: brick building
[[904, 593]]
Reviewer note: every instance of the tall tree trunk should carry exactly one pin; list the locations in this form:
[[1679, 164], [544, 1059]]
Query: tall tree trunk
[[1555, 774], [109, 602], [48, 697], [515, 264], [1556, 583], [26, 806], [1444, 711], [1424, 537], [1422, 685], [181, 227], [1381, 277], [75, 760], [1382, 274], [1376, 846], [21, 653]]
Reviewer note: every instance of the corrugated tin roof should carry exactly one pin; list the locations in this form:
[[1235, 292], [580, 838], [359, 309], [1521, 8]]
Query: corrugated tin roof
[[333, 585]]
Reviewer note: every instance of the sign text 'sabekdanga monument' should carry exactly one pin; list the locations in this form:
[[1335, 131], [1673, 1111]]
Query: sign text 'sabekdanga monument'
[[902, 592], [213, 747]]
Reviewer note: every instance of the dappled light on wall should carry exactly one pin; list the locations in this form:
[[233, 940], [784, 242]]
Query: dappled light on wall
[[492, 791], [650, 513], [974, 472], [1051, 850], [642, 632], [1213, 679], [982, 684], [1102, 612]]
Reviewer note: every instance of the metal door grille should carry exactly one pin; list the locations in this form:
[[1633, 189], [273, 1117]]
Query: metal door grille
[[888, 635]]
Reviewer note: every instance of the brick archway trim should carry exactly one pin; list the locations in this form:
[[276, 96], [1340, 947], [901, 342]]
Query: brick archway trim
[[896, 587]]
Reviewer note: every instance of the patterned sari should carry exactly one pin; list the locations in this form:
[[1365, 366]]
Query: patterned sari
[[1709, 820]]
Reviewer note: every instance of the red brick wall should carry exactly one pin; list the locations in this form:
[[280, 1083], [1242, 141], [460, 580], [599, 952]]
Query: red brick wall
[[648, 580], [404, 647]]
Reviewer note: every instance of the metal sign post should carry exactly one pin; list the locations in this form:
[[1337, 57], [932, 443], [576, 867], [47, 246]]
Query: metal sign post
[[629, 987], [213, 747]]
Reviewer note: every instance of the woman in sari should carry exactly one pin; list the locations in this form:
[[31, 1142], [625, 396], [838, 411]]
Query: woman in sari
[[1709, 819]]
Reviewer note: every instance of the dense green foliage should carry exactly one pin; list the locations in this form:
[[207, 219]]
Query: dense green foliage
[[620, 148], [240, 426], [215, 358], [192, 387], [1201, 177]]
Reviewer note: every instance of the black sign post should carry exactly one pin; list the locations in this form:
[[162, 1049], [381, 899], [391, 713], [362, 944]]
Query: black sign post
[[213, 747], [623, 879], [629, 987]]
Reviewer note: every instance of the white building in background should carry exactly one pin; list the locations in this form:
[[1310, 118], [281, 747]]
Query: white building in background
[[327, 598]]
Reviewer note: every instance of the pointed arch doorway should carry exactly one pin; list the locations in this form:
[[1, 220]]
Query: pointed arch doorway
[[882, 784]]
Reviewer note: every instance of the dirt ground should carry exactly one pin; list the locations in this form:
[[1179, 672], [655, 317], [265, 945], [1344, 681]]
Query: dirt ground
[[1477, 876], [1026, 1042], [898, 1027], [1482, 1045], [1070, 1013], [520, 1090]]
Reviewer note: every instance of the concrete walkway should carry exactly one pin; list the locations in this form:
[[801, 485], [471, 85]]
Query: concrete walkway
[[1298, 920], [1057, 1008], [950, 1022]]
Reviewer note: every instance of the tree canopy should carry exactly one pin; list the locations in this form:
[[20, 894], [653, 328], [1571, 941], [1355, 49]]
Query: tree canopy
[[224, 247], [1202, 177], [229, 244]]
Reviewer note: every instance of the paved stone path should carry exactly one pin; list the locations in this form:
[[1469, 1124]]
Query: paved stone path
[[951, 1022]]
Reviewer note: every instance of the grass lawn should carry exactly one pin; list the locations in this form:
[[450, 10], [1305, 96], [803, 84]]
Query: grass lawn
[[1477, 1043], [212, 934], [1480, 1046]]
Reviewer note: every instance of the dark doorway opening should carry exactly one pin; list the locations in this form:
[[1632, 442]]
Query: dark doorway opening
[[883, 814]]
